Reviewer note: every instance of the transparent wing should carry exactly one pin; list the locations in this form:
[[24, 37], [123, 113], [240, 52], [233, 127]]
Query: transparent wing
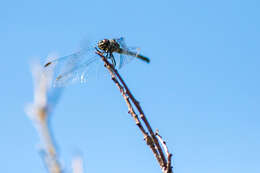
[[79, 73], [73, 68], [121, 42], [123, 58]]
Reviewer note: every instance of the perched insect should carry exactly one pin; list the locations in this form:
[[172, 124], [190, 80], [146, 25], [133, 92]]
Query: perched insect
[[74, 67]]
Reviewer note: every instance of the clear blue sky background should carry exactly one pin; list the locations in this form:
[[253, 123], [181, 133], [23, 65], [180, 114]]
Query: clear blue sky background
[[201, 89]]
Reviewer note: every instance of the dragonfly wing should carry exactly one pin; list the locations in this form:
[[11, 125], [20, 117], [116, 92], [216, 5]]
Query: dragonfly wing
[[77, 73], [125, 58], [121, 42], [69, 59], [71, 68], [122, 57]]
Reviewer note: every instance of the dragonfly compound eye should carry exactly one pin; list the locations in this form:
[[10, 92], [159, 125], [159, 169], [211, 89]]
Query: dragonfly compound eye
[[103, 45]]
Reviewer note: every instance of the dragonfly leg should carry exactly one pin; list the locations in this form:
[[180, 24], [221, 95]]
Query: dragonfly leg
[[112, 59], [107, 57], [110, 56]]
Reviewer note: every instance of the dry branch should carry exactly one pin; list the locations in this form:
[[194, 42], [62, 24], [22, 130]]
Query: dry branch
[[149, 137], [168, 154], [38, 111]]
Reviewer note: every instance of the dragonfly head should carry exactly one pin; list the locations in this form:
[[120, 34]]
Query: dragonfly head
[[104, 45]]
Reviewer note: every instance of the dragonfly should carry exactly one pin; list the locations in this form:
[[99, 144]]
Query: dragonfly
[[75, 67]]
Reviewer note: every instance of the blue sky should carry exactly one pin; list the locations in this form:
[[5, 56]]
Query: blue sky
[[201, 89]]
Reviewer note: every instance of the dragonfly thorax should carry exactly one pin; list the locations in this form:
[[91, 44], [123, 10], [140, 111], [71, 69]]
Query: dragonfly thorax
[[109, 46]]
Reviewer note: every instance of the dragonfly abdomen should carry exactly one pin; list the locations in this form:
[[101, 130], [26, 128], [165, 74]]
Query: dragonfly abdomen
[[126, 52]]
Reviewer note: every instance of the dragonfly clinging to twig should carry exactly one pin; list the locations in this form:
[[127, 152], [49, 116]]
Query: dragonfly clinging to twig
[[74, 67], [117, 45]]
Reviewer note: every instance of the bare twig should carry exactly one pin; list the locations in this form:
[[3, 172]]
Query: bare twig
[[137, 105], [51, 158], [132, 112], [168, 154], [39, 113], [151, 139]]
